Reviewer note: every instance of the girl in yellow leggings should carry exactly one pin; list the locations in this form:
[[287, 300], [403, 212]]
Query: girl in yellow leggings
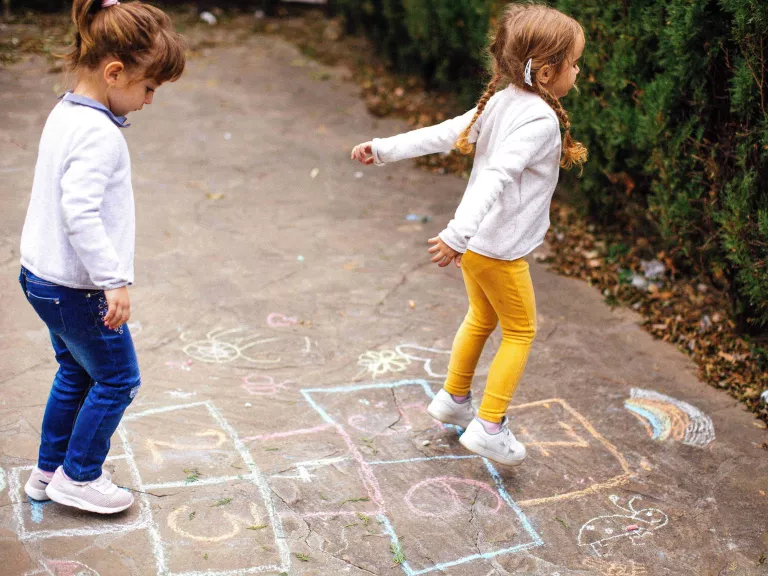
[[504, 214]]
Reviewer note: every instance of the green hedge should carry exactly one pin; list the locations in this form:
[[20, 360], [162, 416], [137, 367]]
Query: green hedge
[[673, 108]]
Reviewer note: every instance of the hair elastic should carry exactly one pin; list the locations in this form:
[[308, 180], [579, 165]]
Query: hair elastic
[[108, 3], [527, 78]]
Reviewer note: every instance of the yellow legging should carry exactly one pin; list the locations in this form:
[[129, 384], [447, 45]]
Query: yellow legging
[[499, 291]]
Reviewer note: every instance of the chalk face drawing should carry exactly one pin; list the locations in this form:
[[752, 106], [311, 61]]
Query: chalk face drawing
[[668, 418], [634, 524]]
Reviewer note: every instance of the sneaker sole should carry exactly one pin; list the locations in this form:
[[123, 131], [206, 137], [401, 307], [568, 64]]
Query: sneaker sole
[[488, 454], [35, 494], [447, 417], [73, 502]]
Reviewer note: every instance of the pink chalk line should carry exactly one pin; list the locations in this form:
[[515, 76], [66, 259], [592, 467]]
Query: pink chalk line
[[288, 433]]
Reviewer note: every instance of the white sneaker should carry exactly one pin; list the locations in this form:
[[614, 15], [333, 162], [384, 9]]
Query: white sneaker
[[501, 447], [100, 495], [36, 485], [445, 409]]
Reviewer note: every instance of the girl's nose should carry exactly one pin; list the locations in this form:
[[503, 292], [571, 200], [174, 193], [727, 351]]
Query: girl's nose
[[148, 98]]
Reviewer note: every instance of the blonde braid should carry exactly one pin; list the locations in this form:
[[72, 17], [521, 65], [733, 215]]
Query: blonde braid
[[574, 153], [462, 143]]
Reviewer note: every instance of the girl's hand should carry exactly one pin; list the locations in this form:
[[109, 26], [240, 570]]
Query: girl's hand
[[443, 254], [119, 307], [363, 153]]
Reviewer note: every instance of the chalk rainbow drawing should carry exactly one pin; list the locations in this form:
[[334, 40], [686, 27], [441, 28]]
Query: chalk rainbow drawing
[[666, 417]]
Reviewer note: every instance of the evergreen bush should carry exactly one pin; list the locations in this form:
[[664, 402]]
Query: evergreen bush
[[673, 108]]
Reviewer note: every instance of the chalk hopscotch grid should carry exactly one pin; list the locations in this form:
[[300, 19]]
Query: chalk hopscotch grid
[[145, 520], [365, 471]]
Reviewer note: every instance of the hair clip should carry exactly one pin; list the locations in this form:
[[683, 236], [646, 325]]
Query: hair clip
[[527, 77], [108, 3]]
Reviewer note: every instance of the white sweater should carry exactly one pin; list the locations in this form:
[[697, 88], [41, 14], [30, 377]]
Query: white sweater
[[80, 226], [504, 213]]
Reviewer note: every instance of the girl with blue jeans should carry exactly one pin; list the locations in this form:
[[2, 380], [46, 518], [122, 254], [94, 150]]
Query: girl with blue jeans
[[78, 243]]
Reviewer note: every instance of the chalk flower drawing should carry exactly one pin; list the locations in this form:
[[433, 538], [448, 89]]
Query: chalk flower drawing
[[223, 346], [379, 362]]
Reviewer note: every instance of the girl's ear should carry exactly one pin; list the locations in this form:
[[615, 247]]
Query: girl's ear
[[546, 74], [113, 72]]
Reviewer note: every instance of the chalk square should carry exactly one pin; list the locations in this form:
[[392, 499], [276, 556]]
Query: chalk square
[[222, 529], [386, 421], [40, 520], [314, 471], [461, 501], [579, 460], [81, 556], [328, 491], [180, 446]]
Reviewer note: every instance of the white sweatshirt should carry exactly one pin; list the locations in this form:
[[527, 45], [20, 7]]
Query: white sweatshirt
[[80, 226], [504, 213]]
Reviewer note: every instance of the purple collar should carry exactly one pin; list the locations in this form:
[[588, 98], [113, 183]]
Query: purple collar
[[120, 121]]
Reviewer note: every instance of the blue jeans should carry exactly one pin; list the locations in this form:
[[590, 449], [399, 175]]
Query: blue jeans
[[97, 379]]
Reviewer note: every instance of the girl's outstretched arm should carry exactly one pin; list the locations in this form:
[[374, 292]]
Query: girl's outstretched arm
[[429, 140], [520, 148]]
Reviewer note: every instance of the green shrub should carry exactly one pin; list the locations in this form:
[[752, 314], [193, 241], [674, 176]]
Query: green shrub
[[672, 108]]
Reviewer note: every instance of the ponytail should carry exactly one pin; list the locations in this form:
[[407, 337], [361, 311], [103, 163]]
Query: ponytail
[[137, 34]]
